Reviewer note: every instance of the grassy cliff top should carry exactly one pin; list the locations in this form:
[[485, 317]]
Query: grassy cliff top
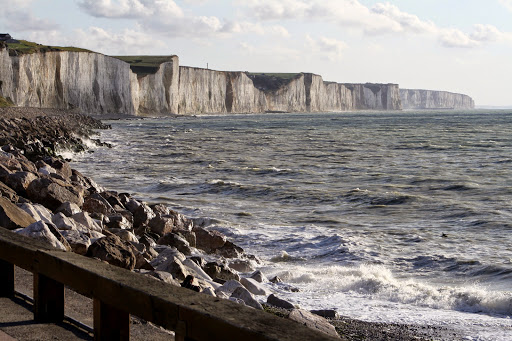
[[276, 75], [144, 65], [28, 47], [269, 82]]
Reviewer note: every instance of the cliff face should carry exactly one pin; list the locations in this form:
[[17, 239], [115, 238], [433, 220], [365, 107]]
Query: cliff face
[[93, 82], [99, 84], [428, 99], [157, 94]]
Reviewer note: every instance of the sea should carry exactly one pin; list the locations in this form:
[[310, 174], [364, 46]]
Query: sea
[[398, 217]]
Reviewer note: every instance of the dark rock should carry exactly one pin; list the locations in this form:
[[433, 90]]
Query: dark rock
[[93, 205], [276, 279], [147, 240], [142, 215], [51, 193], [160, 209], [278, 302], [259, 276], [61, 167], [198, 260], [189, 236], [118, 221], [12, 217], [164, 277], [242, 265], [161, 225], [20, 181], [68, 209], [208, 241], [112, 250], [176, 241], [113, 199], [230, 250], [8, 192], [326, 313], [217, 270]]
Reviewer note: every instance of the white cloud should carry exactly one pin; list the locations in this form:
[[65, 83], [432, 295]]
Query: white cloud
[[382, 18], [408, 22], [329, 48], [507, 4], [129, 41], [17, 16], [456, 38], [131, 8]]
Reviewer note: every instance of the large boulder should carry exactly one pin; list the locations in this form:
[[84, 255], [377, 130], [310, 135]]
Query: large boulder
[[175, 267], [241, 265], [230, 250], [37, 211], [278, 302], [79, 241], [221, 271], [161, 225], [142, 215], [208, 241], [112, 250], [20, 181], [52, 193], [247, 297], [39, 230], [164, 277], [313, 321], [259, 276], [85, 219], [68, 209], [94, 205], [176, 241], [254, 287], [8, 192], [228, 288], [196, 269], [12, 217]]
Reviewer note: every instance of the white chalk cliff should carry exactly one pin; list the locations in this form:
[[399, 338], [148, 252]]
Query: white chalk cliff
[[429, 99], [98, 84]]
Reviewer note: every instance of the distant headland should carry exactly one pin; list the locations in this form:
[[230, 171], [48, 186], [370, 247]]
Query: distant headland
[[42, 76]]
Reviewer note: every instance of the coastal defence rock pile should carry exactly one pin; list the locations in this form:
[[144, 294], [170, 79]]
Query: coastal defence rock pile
[[42, 197], [428, 99], [100, 85]]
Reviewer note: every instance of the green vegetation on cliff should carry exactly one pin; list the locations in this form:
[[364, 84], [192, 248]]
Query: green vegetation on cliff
[[28, 47], [5, 102], [144, 65], [271, 81]]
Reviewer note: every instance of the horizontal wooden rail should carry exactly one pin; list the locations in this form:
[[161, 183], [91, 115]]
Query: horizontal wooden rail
[[117, 293]]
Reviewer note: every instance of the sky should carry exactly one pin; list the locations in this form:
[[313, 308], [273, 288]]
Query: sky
[[462, 46]]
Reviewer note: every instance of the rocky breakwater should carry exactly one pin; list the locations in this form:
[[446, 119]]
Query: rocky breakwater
[[42, 197], [430, 99]]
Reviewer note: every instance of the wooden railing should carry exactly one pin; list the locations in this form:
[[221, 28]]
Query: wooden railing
[[117, 293]]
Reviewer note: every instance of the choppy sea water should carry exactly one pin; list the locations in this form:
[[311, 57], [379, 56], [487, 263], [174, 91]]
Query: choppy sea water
[[386, 216]]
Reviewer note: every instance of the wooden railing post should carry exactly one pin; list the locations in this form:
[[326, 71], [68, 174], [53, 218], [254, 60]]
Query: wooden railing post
[[6, 279], [48, 299], [110, 323]]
